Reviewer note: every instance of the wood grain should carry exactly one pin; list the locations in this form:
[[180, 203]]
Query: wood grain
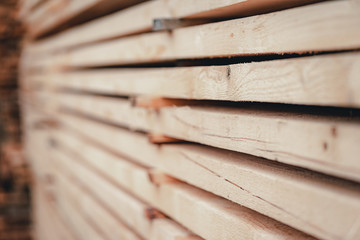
[[141, 17], [273, 33], [57, 13], [330, 80], [187, 205], [323, 144], [241, 178]]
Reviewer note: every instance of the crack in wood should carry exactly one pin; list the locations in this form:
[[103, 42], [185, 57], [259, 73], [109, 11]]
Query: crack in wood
[[256, 196]]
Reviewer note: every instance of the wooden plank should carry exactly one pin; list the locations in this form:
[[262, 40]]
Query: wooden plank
[[27, 6], [329, 80], [188, 206], [75, 12], [85, 229], [331, 207], [141, 17], [86, 206], [133, 206], [239, 37], [161, 228], [45, 215], [129, 209], [324, 144], [50, 7], [107, 27]]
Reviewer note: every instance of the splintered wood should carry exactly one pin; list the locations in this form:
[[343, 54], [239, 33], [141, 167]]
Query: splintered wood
[[185, 119]]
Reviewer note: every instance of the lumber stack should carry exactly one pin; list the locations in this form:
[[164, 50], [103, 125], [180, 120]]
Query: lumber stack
[[187, 119]]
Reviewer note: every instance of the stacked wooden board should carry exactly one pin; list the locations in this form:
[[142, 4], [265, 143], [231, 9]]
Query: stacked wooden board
[[185, 119]]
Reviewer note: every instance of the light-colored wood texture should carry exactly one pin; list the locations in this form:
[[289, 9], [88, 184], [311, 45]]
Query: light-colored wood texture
[[49, 223], [332, 206], [146, 224], [85, 205], [40, 13], [58, 12], [325, 144], [129, 209], [70, 208], [205, 214], [274, 33], [141, 17], [330, 80], [161, 228], [26, 7], [87, 212]]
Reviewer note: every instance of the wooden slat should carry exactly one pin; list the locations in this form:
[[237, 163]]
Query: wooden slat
[[207, 215], [129, 209], [141, 18], [50, 7], [114, 25], [248, 36], [84, 229], [138, 212], [26, 6], [49, 224], [332, 206], [71, 10], [86, 206], [324, 144], [318, 80], [161, 228]]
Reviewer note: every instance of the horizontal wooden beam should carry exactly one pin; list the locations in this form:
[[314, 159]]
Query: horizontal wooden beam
[[329, 80]]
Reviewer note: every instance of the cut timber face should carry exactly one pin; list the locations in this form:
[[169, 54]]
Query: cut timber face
[[141, 17], [188, 206], [229, 38], [330, 80], [327, 145], [332, 205]]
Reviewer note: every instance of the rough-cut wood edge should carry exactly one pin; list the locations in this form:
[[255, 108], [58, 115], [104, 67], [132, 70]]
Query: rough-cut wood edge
[[157, 102]]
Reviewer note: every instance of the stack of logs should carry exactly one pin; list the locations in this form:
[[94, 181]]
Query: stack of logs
[[193, 119]]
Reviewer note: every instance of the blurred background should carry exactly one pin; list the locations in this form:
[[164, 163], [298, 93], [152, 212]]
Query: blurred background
[[14, 174]]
